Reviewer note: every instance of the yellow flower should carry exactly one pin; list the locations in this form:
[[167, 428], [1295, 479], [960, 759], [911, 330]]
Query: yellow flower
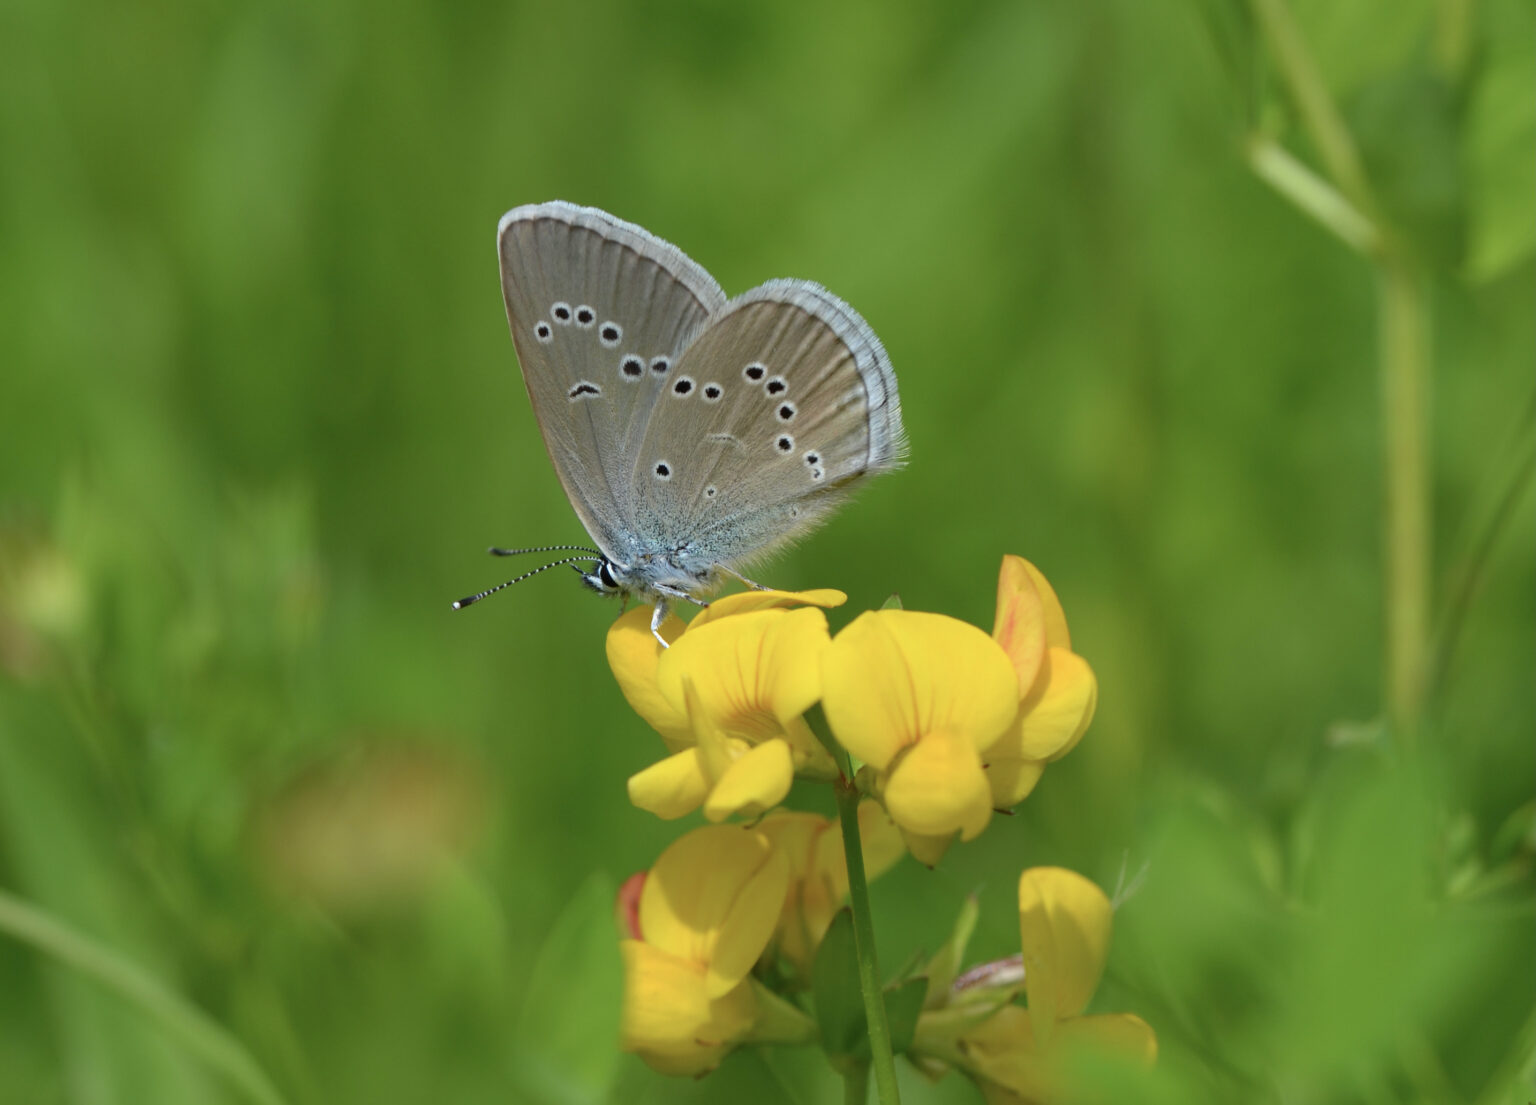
[[705, 912], [1057, 689], [1028, 1055], [727, 696], [818, 872], [919, 698]]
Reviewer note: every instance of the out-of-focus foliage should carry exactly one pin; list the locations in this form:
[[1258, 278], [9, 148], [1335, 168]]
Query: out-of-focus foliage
[[259, 415]]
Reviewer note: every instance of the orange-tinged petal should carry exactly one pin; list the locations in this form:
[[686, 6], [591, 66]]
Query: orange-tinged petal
[[1120, 1034], [694, 886], [633, 654], [1011, 778], [1055, 715], [752, 670], [749, 926], [671, 788], [1056, 635], [748, 601], [938, 787], [757, 781], [1019, 624], [893, 676], [1064, 923]]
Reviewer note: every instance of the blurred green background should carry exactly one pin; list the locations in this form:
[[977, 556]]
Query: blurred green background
[[259, 417]]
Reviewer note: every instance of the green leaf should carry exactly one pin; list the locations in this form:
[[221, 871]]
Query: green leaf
[[839, 1001], [903, 1004], [1499, 150], [943, 968], [568, 1031]]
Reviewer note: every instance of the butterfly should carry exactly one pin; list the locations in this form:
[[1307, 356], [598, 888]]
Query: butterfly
[[692, 433]]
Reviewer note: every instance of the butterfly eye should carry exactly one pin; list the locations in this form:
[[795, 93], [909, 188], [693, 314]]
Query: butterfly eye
[[754, 372], [776, 385], [660, 366], [632, 367], [582, 390], [610, 334], [585, 317], [663, 471], [787, 412], [713, 393], [711, 491], [785, 444], [561, 312], [543, 332], [683, 386], [813, 459]]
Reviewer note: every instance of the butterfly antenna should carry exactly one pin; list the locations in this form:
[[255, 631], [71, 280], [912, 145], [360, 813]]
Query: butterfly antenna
[[462, 603], [542, 548]]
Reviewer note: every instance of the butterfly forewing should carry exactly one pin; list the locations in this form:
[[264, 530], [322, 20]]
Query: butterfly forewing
[[600, 312], [775, 410]]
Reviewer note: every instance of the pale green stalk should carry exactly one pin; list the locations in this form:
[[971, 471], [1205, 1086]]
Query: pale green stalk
[[1347, 207]]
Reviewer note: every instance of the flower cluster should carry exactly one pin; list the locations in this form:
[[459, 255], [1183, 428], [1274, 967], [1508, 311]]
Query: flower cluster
[[949, 722], [935, 724]]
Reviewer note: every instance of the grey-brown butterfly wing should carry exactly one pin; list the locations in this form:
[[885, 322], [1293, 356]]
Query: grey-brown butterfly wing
[[600, 310], [778, 408]]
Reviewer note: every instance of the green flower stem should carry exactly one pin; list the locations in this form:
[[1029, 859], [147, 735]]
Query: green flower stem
[[864, 942], [196, 1031]]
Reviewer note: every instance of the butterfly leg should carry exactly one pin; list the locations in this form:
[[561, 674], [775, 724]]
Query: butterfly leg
[[658, 616], [749, 582]]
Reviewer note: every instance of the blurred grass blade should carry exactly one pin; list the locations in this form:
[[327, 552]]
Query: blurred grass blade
[[199, 1034]]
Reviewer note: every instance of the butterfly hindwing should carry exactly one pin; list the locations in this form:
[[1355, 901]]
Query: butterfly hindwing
[[779, 406]]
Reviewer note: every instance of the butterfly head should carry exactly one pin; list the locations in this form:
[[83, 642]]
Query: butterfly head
[[605, 579]]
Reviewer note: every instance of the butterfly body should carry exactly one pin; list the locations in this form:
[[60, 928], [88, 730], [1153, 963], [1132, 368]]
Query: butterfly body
[[692, 433]]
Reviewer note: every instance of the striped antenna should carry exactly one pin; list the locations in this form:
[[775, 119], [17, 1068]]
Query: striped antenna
[[462, 603], [542, 548]]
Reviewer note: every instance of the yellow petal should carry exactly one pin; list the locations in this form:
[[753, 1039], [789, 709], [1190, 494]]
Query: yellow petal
[[754, 672], [1064, 923], [1124, 1035], [664, 1001], [1056, 713], [757, 781], [927, 850], [747, 601], [694, 886], [633, 654], [1019, 623], [880, 841], [938, 787], [1011, 778], [894, 675], [671, 788], [669, 1020], [746, 930], [798, 837]]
